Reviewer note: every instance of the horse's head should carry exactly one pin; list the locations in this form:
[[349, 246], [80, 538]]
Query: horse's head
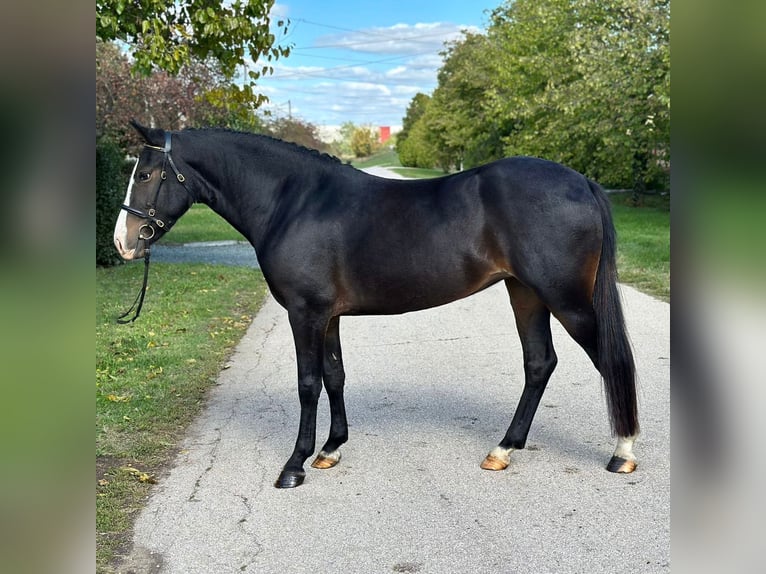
[[157, 195]]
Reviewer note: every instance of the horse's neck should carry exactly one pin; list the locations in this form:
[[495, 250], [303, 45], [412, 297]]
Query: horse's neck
[[242, 188]]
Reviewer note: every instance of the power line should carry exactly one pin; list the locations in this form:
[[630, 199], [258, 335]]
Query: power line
[[332, 27], [385, 36], [419, 39], [380, 32], [310, 74], [357, 60]]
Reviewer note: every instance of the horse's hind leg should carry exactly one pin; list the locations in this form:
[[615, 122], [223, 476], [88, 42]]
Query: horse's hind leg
[[533, 324], [334, 380], [580, 323]]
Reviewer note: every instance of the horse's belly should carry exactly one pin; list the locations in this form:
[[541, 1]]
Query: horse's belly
[[395, 295]]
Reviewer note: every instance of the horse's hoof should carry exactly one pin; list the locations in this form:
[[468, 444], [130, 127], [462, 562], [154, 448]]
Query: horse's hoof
[[326, 460], [621, 465], [494, 463], [290, 479]]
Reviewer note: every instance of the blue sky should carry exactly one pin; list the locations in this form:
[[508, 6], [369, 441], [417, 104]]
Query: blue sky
[[363, 61]]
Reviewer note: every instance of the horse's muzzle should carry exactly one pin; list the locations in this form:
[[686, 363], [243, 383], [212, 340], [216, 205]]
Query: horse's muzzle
[[129, 254]]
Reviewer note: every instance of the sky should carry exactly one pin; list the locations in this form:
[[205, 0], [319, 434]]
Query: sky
[[362, 62]]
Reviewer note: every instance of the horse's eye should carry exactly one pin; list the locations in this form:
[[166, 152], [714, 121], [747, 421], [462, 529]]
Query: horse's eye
[[144, 176]]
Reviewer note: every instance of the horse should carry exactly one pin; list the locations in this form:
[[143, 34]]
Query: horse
[[334, 241]]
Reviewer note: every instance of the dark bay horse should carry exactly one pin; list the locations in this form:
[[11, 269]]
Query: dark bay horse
[[332, 241]]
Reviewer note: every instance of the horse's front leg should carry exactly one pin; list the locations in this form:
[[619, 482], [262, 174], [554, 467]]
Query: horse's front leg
[[309, 333], [334, 379]]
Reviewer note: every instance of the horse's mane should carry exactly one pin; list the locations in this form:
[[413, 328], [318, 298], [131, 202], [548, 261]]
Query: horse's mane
[[272, 141]]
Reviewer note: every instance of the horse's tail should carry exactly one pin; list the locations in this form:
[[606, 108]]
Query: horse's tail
[[615, 357]]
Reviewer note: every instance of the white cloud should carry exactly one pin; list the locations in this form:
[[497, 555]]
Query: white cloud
[[397, 39], [367, 87], [279, 11], [396, 71], [404, 90]]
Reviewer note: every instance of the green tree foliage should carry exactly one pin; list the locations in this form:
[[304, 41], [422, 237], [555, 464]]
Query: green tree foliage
[[413, 145], [587, 84], [172, 102], [364, 141], [415, 111], [462, 132], [297, 131], [417, 150], [169, 35], [342, 144], [581, 82]]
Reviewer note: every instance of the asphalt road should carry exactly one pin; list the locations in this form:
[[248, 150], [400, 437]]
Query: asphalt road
[[428, 394], [235, 253]]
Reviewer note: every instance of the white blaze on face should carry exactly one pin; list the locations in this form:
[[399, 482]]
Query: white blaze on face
[[121, 228]]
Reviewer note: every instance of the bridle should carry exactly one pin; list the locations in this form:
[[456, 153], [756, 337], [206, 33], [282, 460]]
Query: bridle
[[151, 212], [151, 216]]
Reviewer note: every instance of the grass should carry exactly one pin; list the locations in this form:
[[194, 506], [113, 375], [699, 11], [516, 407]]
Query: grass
[[384, 158], [643, 243], [418, 172], [152, 376], [201, 223], [388, 158]]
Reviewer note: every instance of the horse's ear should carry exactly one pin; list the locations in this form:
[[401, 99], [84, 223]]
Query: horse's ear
[[152, 136]]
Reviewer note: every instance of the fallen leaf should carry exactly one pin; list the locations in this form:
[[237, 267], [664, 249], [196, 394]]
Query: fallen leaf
[[141, 476]]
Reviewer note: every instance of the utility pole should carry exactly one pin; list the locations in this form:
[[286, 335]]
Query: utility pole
[[289, 110]]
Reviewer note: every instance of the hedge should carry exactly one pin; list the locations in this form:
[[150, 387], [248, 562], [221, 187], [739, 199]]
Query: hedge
[[110, 183]]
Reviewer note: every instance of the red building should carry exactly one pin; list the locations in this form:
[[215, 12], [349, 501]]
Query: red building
[[385, 134]]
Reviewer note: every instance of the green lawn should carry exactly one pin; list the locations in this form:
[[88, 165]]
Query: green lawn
[[418, 172], [384, 158], [643, 243], [201, 223]]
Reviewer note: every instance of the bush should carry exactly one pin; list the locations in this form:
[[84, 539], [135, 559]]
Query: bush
[[109, 196], [416, 151]]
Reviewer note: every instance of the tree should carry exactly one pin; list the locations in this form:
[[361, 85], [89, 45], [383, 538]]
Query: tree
[[624, 66], [416, 150], [415, 111], [587, 84], [170, 35], [364, 141], [532, 66], [298, 132], [342, 145], [580, 82], [171, 102], [459, 126]]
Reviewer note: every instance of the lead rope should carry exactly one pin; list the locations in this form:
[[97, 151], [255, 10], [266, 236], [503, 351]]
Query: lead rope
[[139, 302]]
